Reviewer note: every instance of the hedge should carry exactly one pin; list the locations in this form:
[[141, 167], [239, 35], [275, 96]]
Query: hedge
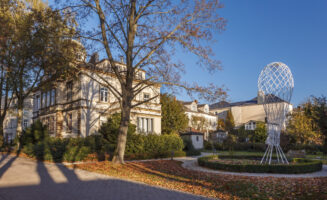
[[259, 147], [144, 156], [253, 147], [37, 143], [300, 166]]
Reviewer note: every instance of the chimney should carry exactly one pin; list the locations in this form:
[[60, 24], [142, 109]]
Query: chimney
[[94, 58], [260, 97]]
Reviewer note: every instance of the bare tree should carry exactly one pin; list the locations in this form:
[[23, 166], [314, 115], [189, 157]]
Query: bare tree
[[147, 33]]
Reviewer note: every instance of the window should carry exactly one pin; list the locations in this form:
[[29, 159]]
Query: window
[[51, 125], [25, 123], [70, 122], [104, 94], [70, 91], [38, 102], [48, 98], [145, 125], [139, 75], [44, 97], [79, 118], [194, 107], [12, 123], [197, 138], [146, 96], [53, 97]]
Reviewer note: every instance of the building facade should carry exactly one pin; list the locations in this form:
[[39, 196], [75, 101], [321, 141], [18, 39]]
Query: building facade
[[200, 117], [10, 121], [245, 113], [79, 106]]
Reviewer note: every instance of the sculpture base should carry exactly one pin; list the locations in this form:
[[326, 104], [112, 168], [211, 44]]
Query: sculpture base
[[280, 156]]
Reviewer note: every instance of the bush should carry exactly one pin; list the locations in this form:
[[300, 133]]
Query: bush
[[139, 146], [299, 166], [37, 143], [252, 147], [166, 154]]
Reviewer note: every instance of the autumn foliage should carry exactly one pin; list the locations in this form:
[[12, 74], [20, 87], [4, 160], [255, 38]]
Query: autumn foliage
[[171, 175]]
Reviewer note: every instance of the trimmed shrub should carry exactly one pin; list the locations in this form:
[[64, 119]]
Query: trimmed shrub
[[252, 147], [37, 143], [143, 156], [299, 166]]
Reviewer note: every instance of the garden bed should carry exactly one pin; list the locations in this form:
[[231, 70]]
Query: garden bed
[[252, 164]]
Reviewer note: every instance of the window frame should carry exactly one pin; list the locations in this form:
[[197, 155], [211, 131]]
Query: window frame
[[52, 97], [69, 122], [69, 94], [104, 94], [144, 98]]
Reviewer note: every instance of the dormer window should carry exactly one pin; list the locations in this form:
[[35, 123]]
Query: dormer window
[[206, 109], [193, 107], [146, 96]]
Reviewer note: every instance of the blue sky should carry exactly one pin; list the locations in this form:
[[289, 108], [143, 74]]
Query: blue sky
[[259, 32]]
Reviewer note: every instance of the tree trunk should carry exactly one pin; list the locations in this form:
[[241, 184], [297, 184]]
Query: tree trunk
[[2, 139], [19, 128], [122, 136]]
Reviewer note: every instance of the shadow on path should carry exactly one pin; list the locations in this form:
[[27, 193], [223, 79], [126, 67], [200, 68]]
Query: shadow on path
[[81, 185]]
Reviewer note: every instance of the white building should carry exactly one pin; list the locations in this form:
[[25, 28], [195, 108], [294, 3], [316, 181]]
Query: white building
[[195, 137], [200, 118], [78, 107], [10, 122]]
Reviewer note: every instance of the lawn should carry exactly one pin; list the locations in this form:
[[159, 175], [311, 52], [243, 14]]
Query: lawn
[[170, 174]]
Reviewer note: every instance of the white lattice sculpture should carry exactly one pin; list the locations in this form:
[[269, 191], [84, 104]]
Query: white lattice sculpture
[[275, 86]]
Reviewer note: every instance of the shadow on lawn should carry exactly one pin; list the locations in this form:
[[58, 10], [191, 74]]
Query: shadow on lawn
[[77, 184]]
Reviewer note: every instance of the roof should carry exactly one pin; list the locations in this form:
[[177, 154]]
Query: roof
[[192, 133], [254, 101], [198, 111], [186, 102], [201, 105]]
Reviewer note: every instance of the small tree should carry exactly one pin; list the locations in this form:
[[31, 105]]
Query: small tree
[[221, 124], [199, 123], [229, 122], [174, 119], [260, 133], [319, 115], [300, 128], [110, 130]]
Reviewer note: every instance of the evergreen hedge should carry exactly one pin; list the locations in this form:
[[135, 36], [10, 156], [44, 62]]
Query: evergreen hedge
[[37, 143], [298, 165]]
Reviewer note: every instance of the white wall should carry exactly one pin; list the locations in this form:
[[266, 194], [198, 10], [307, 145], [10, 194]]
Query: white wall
[[197, 141]]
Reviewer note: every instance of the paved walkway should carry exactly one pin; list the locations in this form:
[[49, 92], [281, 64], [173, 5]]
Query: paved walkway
[[191, 163], [22, 178]]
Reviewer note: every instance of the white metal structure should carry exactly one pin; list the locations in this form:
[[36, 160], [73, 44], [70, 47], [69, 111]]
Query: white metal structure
[[275, 86]]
